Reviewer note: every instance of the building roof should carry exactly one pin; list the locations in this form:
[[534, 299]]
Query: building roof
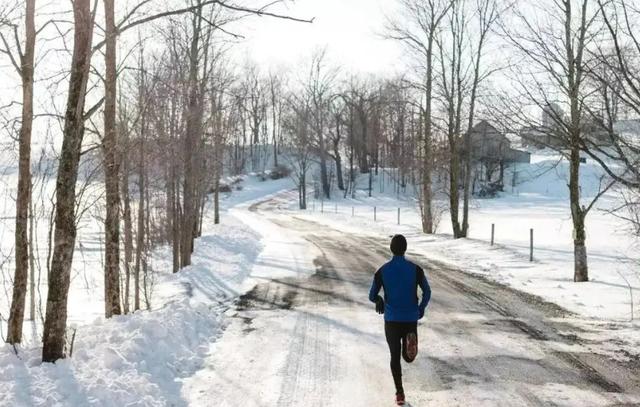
[[484, 127]]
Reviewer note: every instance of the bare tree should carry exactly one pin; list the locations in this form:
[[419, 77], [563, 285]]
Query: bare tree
[[318, 87], [65, 227], [275, 89], [297, 127], [111, 169], [25, 68], [487, 13], [417, 29], [452, 84], [553, 72]]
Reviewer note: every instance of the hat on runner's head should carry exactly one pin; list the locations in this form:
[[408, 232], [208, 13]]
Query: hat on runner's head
[[398, 245]]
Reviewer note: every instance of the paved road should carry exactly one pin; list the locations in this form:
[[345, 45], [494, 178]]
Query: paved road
[[317, 342]]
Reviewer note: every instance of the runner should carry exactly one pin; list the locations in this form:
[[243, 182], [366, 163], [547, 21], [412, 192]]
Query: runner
[[400, 280]]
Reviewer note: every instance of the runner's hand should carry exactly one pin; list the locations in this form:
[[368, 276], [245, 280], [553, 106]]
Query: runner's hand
[[379, 305]]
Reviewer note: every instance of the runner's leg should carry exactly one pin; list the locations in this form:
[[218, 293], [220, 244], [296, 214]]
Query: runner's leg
[[409, 347], [394, 333]]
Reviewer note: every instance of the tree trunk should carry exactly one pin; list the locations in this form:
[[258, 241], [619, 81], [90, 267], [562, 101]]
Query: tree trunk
[[175, 222], [467, 141], [581, 270], [111, 168], [32, 264], [303, 190], [454, 198], [193, 129], [65, 227], [338, 160], [324, 178], [140, 235], [574, 54], [337, 157], [23, 199], [128, 227], [427, 212]]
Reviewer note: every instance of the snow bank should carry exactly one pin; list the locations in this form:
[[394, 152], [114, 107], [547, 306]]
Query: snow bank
[[141, 359]]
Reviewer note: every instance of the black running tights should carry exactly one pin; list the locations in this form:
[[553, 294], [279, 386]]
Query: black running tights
[[396, 333]]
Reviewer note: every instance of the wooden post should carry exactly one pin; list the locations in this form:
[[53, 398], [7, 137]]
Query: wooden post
[[531, 245], [398, 216], [352, 211], [321, 206], [493, 232], [375, 214], [336, 208]]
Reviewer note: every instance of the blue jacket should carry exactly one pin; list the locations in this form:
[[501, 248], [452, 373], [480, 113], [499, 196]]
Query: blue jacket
[[400, 279]]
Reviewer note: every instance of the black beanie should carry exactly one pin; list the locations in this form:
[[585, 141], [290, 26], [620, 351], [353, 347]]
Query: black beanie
[[398, 245]]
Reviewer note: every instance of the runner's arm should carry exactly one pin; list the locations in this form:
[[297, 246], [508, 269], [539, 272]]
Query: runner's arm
[[426, 289], [376, 286]]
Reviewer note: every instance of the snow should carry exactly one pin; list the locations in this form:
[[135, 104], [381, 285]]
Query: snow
[[170, 354], [144, 358]]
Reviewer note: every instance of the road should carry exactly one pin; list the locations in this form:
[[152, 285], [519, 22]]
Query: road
[[316, 341]]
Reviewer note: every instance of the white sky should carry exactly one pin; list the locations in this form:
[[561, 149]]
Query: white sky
[[350, 29]]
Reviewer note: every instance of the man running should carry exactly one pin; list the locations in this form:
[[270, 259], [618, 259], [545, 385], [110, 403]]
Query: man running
[[400, 279]]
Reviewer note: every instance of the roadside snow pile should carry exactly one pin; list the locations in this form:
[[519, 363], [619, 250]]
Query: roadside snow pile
[[141, 359], [133, 360]]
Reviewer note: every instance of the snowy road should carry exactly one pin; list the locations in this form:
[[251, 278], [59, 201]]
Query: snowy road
[[314, 339]]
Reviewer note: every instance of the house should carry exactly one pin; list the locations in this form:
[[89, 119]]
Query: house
[[491, 152], [489, 144]]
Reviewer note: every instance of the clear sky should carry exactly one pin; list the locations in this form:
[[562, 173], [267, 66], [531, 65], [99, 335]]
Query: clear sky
[[350, 29]]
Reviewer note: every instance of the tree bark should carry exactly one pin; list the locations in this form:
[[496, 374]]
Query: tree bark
[[128, 227], [140, 234], [427, 212], [194, 124], [23, 199], [574, 76], [111, 169], [324, 177], [65, 226]]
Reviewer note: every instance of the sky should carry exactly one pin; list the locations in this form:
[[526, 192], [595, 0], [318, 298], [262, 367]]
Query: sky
[[351, 30]]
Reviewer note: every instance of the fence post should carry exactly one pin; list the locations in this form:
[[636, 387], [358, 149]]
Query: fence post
[[531, 245], [353, 211], [336, 208], [493, 232], [375, 214], [398, 216], [321, 206]]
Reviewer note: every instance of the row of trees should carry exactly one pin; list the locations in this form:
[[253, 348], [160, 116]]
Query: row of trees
[[158, 132]]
